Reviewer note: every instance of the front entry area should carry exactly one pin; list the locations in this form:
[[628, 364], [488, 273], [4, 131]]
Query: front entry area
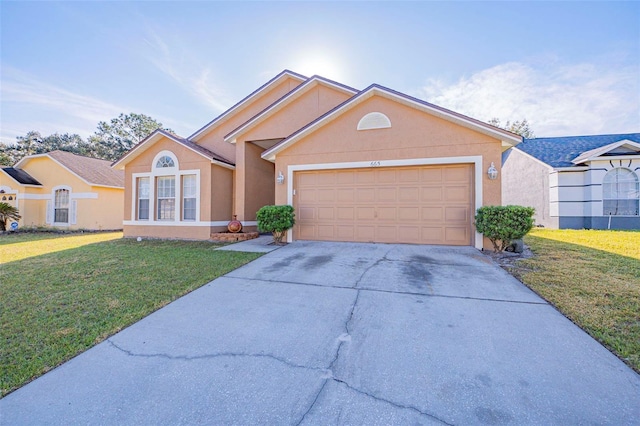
[[417, 205]]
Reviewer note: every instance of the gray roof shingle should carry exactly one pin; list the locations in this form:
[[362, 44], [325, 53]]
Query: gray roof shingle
[[559, 152], [21, 176]]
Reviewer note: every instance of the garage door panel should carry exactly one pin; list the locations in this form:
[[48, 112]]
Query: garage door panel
[[387, 214], [457, 214], [431, 194], [386, 195], [326, 213], [307, 232], [366, 177], [366, 213], [457, 174], [306, 213], [411, 194], [326, 231], [408, 175], [431, 175], [346, 177], [432, 234], [409, 234], [346, 195], [456, 235], [424, 205], [346, 213], [457, 194], [409, 214], [433, 214], [387, 176], [365, 233], [325, 195]]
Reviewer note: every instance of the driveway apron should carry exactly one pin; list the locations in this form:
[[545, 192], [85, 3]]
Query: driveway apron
[[343, 333]]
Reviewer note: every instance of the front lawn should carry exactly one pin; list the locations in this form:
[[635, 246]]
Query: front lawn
[[62, 294], [593, 277]]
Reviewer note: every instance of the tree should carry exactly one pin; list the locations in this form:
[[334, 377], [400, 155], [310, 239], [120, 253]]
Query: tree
[[521, 128], [109, 142], [112, 140], [7, 212], [34, 143]]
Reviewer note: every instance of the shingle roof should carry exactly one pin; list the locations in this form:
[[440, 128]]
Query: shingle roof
[[21, 176], [94, 171], [199, 148], [559, 152]]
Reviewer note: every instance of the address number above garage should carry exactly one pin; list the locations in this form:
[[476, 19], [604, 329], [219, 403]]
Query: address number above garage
[[374, 120]]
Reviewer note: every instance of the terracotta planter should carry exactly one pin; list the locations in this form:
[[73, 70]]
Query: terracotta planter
[[235, 225]]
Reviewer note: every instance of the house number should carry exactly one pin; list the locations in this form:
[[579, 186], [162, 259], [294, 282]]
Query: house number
[[375, 164]]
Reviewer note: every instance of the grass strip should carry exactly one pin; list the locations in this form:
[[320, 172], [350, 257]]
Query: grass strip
[[60, 303]]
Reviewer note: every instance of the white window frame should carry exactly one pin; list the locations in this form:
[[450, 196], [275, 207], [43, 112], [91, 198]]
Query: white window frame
[[185, 198], [160, 198], [71, 209], [606, 195], [139, 198], [155, 173]]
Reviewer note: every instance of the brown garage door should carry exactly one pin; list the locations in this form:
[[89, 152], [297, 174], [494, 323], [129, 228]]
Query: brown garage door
[[421, 205]]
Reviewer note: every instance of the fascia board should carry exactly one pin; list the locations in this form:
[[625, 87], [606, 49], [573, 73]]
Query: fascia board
[[244, 101]]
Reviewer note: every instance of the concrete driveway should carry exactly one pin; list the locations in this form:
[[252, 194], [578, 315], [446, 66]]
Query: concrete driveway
[[341, 333]]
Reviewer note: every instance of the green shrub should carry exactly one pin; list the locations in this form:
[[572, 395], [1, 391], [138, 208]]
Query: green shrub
[[277, 220], [503, 224]]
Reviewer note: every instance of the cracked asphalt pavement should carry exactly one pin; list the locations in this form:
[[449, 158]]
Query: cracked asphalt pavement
[[343, 333]]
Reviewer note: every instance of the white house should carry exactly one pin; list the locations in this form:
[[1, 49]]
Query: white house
[[577, 182]]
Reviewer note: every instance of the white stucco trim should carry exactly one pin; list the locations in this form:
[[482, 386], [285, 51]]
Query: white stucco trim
[[476, 160], [180, 224]]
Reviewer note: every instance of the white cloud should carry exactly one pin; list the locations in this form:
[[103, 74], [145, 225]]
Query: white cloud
[[578, 99], [50, 108], [186, 70]]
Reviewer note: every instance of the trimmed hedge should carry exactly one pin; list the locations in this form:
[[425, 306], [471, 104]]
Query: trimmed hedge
[[503, 224], [277, 220]]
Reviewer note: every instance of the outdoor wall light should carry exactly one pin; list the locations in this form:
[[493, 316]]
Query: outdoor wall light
[[280, 178], [492, 172]]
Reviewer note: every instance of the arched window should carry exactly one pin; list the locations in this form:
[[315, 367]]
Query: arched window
[[61, 206], [165, 162], [621, 193]]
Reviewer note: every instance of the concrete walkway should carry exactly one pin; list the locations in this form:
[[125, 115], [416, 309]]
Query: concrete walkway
[[341, 333]]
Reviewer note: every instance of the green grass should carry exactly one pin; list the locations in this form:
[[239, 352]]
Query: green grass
[[593, 277], [61, 294]]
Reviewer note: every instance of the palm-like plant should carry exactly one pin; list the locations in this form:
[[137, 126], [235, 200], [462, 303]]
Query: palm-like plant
[[7, 212]]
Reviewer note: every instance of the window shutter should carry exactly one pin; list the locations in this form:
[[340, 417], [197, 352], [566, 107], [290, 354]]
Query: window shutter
[[73, 212], [49, 218]]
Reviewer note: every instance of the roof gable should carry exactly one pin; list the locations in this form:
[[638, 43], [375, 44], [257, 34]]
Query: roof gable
[[623, 147], [508, 138], [20, 176], [92, 171], [159, 134], [562, 151], [296, 93], [246, 100]]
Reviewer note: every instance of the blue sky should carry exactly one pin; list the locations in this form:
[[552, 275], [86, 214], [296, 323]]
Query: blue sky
[[568, 67]]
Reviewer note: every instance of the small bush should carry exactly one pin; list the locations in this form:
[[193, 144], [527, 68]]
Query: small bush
[[277, 220], [503, 224]]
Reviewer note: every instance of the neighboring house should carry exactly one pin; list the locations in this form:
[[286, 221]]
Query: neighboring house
[[64, 190], [576, 182], [357, 165]]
